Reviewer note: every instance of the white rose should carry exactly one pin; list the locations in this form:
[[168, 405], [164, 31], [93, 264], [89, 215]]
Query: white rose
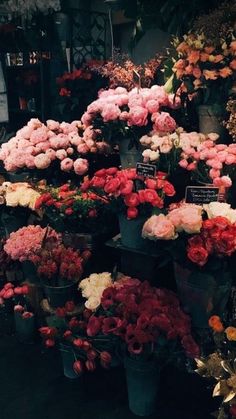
[[214, 209], [12, 199], [92, 303]]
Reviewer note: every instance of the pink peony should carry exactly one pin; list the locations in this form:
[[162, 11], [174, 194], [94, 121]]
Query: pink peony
[[61, 154], [86, 119], [152, 106], [138, 116], [110, 112], [164, 122], [81, 166], [53, 125], [42, 161], [39, 135], [59, 141], [67, 164], [83, 148], [51, 153]]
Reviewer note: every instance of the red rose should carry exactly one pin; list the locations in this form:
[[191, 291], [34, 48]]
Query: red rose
[[94, 326], [198, 255], [100, 173], [151, 184], [169, 189], [162, 175], [111, 171], [87, 313], [86, 345], [64, 188], [8, 294], [25, 289], [18, 290], [132, 213], [127, 188], [112, 186], [58, 205], [107, 299], [132, 200], [195, 241], [8, 285], [78, 367], [27, 315], [98, 182], [85, 185], [191, 348]]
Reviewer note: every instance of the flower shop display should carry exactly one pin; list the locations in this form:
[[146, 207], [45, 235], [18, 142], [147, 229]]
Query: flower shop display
[[24, 324], [69, 210], [205, 70], [220, 365], [122, 117], [202, 241], [151, 328], [39, 146], [132, 198], [18, 194]]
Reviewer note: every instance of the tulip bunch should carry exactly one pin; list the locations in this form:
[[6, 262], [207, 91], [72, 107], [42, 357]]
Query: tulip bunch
[[10, 291], [129, 192], [24, 314]]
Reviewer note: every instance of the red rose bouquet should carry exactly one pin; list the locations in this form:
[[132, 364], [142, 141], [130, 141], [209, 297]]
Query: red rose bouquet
[[148, 321], [128, 192]]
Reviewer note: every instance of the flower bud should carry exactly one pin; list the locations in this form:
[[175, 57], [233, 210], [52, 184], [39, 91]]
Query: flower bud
[[78, 367], [78, 343], [49, 343], [105, 357], [91, 354], [90, 365]]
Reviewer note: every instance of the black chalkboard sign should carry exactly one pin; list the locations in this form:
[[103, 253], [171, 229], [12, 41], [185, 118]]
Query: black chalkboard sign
[[146, 170], [201, 194]]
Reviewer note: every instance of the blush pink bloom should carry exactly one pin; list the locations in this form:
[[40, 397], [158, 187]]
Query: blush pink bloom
[[61, 154], [214, 173], [52, 125], [138, 116], [183, 163], [110, 112], [124, 116], [51, 153], [83, 148], [81, 166], [25, 132], [86, 119], [39, 135], [59, 141], [152, 106], [42, 161], [67, 164], [164, 122], [159, 227]]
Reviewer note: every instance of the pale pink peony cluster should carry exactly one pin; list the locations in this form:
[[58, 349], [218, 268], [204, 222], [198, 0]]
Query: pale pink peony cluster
[[136, 108], [37, 145], [187, 218], [25, 242]]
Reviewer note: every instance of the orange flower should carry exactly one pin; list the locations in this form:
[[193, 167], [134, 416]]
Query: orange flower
[[183, 47], [180, 64], [225, 72], [193, 57], [204, 57], [231, 333], [188, 70], [216, 324], [197, 72], [233, 64], [218, 58], [209, 50], [210, 74]]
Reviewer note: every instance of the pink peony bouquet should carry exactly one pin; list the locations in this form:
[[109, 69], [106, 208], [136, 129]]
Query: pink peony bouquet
[[128, 192], [118, 114], [38, 146], [26, 241]]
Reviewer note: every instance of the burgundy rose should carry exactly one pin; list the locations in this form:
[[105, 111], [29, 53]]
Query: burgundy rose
[[107, 299], [111, 325], [94, 326], [198, 255]]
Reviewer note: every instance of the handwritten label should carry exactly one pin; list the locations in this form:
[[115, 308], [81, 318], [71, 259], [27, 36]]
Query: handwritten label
[[146, 170], [201, 194]]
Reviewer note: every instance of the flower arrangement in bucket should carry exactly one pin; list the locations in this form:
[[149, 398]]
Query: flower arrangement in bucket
[[11, 295], [202, 242], [131, 196], [24, 324], [69, 210], [219, 365], [122, 117], [151, 329]]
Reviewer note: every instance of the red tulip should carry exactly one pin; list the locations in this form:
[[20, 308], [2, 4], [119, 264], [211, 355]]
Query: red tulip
[[18, 308], [91, 354], [25, 289], [18, 290], [67, 334], [8, 293], [78, 367], [90, 365], [8, 286], [49, 343], [70, 306], [86, 345], [105, 357], [27, 315], [78, 343]]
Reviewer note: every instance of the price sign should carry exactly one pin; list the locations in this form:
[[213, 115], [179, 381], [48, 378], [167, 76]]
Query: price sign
[[146, 170], [202, 194]]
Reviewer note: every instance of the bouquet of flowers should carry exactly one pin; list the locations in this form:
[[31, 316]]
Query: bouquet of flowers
[[148, 321], [118, 114], [220, 366], [128, 192], [39, 146], [69, 209], [18, 194], [205, 68], [205, 235], [27, 241], [92, 288]]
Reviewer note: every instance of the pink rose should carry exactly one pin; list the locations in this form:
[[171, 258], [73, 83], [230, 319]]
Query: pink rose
[[39, 135], [67, 128], [183, 163], [61, 154], [110, 112], [86, 119], [124, 116], [152, 106], [25, 132], [80, 166], [52, 125], [138, 116], [59, 141], [67, 164], [42, 161], [83, 148], [51, 153], [164, 122], [214, 173], [34, 123], [158, 227], [174, 101]]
